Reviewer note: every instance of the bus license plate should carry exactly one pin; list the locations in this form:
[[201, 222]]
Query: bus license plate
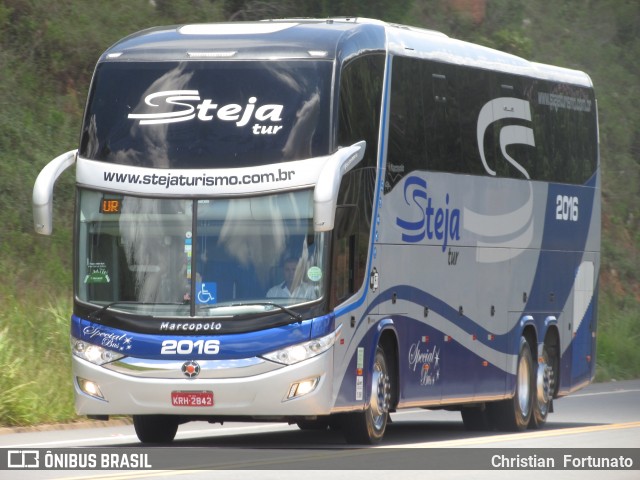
[[192, 399]]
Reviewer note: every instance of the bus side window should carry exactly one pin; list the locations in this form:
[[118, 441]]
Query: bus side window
[[344, 254]]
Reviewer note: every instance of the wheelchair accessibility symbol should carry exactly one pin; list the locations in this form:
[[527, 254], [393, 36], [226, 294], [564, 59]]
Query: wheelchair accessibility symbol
[[206, 293]]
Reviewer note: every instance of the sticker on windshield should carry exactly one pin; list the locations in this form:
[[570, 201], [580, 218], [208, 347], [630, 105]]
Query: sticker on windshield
[[98, 273], [207, 293], [314, 274]]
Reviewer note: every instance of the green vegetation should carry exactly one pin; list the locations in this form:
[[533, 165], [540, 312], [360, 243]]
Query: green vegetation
[[34, 360], [48, 51]]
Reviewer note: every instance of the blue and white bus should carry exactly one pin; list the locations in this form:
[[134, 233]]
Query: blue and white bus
[[322, 222]]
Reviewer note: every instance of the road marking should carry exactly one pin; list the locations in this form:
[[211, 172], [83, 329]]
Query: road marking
[[518, 436], [602, 393]]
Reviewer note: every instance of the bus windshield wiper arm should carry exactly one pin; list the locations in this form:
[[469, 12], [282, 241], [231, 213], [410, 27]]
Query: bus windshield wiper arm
[[97, 314], [282, 308]]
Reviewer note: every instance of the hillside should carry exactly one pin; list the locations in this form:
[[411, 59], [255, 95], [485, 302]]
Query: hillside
[[48, 51]]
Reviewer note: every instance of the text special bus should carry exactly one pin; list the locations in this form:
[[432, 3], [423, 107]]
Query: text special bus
[[324, 221]]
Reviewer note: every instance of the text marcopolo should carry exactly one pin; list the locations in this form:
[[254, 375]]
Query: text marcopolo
[[190, 326]]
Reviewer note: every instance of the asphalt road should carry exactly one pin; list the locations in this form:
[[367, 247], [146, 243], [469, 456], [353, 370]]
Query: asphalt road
[[604, 417]]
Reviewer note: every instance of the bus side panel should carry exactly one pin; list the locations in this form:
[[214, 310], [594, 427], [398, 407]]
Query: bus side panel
[[439, 251], [353, 359], [566, 278], [421, 361], [581, 354]]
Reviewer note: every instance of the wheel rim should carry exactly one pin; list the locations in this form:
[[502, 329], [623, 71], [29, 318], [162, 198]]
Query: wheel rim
[[544, 382], [380, 396], [524, 385]]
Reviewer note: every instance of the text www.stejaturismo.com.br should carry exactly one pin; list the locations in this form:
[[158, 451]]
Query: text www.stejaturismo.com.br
[[168, 180]]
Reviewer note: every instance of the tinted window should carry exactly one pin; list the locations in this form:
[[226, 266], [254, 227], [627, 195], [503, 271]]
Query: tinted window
[[208, 114], [465, 120], [424, 128], [407, 148], [474, 88], [360, 101], [359, 104], [564, 123]]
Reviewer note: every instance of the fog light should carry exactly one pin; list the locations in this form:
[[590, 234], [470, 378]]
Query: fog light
[[302, 387], [90, 388]]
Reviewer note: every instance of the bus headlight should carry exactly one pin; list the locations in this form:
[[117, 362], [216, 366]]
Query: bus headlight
[[93, 353], [303, 351]]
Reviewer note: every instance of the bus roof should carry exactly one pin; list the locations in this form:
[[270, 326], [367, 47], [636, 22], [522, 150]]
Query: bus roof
[[337, 38]]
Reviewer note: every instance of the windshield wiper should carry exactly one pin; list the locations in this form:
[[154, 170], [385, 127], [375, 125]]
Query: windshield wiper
[[97, 314], [293, 314]]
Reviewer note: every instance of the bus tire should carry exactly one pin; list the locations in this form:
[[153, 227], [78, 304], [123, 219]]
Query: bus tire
[[543, 395], [515, 413], [368, 426], [155, 428]]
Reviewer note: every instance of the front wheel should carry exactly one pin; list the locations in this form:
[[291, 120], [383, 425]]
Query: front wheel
[[368, 426], [514, 414], [155, 428]]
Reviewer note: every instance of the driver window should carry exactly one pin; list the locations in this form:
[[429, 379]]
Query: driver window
[[344, 254]]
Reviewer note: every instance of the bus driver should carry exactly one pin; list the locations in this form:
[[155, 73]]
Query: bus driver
[[292, 286]]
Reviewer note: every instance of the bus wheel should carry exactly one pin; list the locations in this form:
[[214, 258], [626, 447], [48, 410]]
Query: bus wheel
[[514, 414], [544, 390], [155, 428], [368, 426]]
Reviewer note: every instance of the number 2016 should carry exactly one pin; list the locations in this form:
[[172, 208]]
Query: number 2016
[[186, 347], [566, 208]]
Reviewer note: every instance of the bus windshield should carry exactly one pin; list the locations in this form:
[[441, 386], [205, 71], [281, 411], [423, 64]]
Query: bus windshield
[[199, 257], [201, 114]]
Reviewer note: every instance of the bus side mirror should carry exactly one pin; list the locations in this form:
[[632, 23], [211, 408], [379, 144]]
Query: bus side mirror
[[325, 194], [43, 191]]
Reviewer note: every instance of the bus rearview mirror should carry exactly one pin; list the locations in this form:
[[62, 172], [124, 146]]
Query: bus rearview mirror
[[325, 195], [43, 191]]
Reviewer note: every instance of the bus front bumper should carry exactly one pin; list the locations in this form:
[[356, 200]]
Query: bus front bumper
[[264, 390]]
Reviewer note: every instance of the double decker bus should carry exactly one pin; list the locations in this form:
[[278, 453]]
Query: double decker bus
[[322, 222]]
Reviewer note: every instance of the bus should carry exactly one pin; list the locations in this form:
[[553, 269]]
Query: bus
[[322, 222]]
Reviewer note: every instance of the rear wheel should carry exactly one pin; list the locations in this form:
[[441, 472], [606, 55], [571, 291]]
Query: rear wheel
[[369, 425], [155, 428], [514, 414], [545, 378]]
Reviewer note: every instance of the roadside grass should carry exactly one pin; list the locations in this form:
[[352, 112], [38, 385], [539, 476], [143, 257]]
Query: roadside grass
[[35, 361], [618, 355]]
